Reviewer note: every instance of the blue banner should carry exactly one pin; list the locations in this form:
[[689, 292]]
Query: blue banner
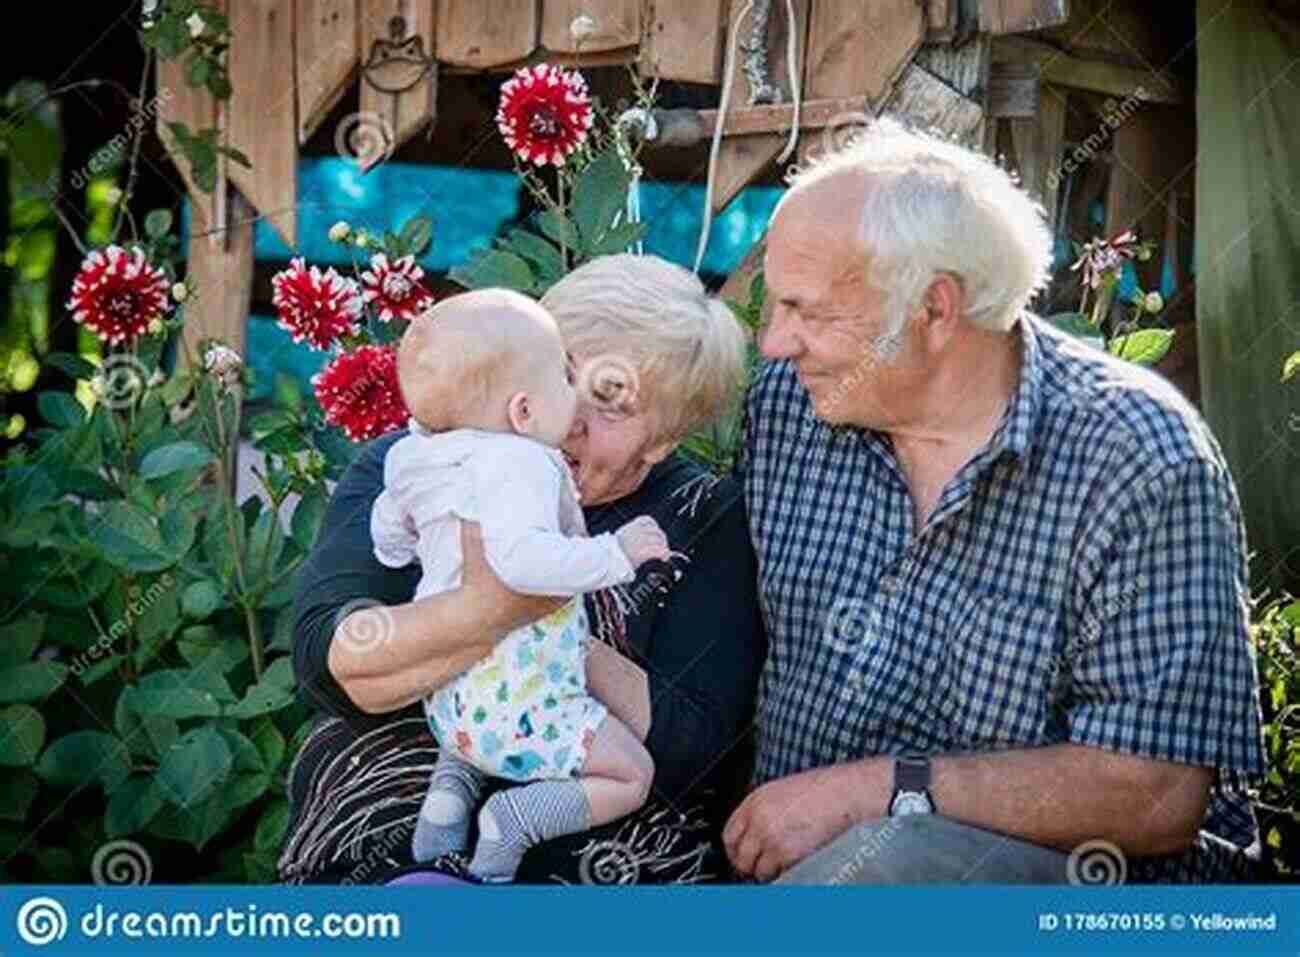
[[958, 919]]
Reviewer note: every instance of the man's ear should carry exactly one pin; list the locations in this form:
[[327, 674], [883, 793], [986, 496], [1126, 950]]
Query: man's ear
[[942, 305], [519, 413]]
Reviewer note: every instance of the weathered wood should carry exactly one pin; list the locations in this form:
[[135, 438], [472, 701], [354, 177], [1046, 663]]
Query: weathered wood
[[1021, 16], [686, 128], [924, 100], [326, 57], [741, 158], [485, 34], [683, 41], [220, 274], [392, 63], [857, 48], [1064, 69], [966, 69], [1051, 138], [615, 24], [1014, 90], [261, 110]]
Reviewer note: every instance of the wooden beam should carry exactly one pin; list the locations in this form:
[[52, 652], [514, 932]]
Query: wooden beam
[[261, 112], [925, 100], [1061, 68], [402, 114], [483, 34], [687, 128], [326, 51], [220, 274], [940, 20]]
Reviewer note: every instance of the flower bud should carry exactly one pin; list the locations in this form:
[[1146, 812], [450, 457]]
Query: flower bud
[[340, 232], [1154, 302], [23, 371], [582, 27], [180, 292], [155, 326], [15, 426]]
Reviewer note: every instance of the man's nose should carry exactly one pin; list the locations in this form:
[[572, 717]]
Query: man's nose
[[778, 339]]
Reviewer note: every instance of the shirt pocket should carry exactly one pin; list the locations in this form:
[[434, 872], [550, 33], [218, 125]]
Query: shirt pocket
[[997, 681]]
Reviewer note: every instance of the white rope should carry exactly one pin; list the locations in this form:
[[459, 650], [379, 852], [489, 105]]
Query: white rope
[[727, 77], [796, 93]]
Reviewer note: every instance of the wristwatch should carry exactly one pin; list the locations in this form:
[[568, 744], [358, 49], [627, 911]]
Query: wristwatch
[[911, 786]]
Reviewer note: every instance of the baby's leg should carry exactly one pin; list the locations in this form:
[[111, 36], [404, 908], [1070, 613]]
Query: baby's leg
[[443, 825], [615, 781]]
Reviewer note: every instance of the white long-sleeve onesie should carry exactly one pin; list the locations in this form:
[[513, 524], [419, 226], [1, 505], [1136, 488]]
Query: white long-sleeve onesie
[[523, 712]]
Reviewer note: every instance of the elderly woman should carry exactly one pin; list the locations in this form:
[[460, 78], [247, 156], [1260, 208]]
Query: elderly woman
[[681, 650]]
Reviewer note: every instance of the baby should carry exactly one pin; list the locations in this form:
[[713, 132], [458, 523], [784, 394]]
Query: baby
[[491, 394]]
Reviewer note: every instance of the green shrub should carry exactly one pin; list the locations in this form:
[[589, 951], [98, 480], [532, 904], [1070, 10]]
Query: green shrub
[[1277, 643]]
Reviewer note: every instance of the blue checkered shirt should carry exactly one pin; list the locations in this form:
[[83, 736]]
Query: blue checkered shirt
[[1082, 579]]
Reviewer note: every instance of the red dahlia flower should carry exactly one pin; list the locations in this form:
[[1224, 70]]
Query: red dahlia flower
[[545, 113], [358, 392], [316, 306], [117, 293], [395, 289]]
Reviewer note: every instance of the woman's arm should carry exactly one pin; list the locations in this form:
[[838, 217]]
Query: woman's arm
[[361, 645]]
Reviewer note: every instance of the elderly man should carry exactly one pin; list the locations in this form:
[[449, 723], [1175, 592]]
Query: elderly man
[[1003, 573]]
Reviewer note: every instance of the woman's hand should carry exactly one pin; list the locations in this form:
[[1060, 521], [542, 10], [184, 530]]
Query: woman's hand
[[506, 609]]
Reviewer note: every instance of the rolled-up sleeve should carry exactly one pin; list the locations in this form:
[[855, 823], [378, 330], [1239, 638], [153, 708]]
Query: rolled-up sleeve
[[1161, 665]]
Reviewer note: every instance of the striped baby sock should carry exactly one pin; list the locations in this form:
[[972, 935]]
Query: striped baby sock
[[514, 820]]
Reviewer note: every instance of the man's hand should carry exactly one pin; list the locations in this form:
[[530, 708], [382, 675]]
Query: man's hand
[[784, 821]]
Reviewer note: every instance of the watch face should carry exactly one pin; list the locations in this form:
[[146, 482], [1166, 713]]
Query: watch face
[[910, 802]]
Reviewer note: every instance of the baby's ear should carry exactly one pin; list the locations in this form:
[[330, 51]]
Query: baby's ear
[[520, 413]]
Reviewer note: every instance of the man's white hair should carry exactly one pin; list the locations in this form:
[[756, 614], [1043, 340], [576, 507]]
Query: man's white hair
[[932, 206]]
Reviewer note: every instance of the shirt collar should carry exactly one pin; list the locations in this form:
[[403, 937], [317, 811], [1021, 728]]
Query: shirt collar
[[1016, 433]]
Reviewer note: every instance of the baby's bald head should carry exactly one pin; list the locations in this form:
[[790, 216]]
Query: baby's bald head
[[459, 362]]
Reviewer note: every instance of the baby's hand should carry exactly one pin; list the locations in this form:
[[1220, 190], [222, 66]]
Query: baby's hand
[[642, 539]]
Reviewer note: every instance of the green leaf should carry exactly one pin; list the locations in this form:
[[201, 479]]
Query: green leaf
[[181, 693], [158, 223], [200, 599], [263, 698], [416, 236], [129, 539], [29, 488], [618, 239], [1144, 347], [245, 753], [599, 195], [544, 257], [269, 742], [20, 788], [19, 638], [148, 735], [73, 365], [60, 409], [243, 789], [194, 825], [194, 766], [494, 268], [558, 227], [307, 517], [178, 526], [199, 71], [95, 672], [272, 827], [174, 458], [265, 543], [83, 756], [199, 643], [1075, 324], [1291, 366], [22, 735], [87, 485], [32, 681], [280, 673], [132, 806]]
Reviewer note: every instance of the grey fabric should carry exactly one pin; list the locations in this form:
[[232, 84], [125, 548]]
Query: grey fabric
[[928, 849]]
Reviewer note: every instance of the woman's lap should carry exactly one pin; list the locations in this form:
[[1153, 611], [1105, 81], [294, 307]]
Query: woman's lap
[[356, 797]]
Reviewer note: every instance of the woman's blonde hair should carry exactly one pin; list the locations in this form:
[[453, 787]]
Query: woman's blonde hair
[[656, 318]]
